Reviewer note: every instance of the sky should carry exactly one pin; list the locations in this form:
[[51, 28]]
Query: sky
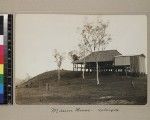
[[37, 35]]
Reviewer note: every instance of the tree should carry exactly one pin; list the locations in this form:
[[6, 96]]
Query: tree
[[94, 37], [58, 59], [28, 77], [83, 52], [73, 55]]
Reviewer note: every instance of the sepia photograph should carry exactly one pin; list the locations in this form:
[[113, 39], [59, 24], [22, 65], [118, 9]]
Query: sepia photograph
[[69, 59]]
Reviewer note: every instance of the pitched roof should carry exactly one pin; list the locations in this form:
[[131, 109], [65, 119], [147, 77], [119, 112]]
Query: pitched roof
[[100, 56]]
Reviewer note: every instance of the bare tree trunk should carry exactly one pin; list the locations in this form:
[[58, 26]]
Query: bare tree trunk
[[73, 66], [83, 71], [58, 74], [97, 73]]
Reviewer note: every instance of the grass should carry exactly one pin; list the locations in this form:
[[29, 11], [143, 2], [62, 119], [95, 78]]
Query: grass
[[71, 89]]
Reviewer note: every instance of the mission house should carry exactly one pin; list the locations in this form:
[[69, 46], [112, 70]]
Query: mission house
[[111, 61]]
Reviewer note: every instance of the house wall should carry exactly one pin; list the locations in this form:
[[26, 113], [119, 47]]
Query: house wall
[[136, 63], [142, 67], [122, 60]]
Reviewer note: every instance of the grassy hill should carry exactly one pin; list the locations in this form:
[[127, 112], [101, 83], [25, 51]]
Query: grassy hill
[[71, 89], [50, 77]]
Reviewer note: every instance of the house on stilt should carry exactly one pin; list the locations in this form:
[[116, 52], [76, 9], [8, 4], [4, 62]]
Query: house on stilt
[[110, 62]]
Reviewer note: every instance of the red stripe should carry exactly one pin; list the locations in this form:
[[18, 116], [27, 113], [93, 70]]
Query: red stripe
[[1, 59], [1, 54], [1, 49]]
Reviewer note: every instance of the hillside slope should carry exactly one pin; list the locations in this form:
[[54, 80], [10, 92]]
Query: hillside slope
[[71, 89], [49, 77]]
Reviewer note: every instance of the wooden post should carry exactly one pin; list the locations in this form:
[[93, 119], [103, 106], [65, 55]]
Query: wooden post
[[88, 69], [47, 87], [126, 72]]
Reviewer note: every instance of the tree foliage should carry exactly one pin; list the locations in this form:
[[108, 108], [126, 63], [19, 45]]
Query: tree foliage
[[73, 55], [58, 58], [94, 36]]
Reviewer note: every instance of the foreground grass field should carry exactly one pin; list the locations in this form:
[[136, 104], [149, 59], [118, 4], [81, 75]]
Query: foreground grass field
[[71, 90]]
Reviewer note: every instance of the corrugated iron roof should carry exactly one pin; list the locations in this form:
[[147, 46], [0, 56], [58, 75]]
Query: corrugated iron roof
[[100, 56]]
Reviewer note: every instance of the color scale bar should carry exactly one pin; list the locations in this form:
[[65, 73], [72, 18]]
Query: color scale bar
[[1, 89], [1, 60], [1, 73]]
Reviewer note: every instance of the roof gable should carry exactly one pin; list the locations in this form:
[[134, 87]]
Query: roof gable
[[100, 56]]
